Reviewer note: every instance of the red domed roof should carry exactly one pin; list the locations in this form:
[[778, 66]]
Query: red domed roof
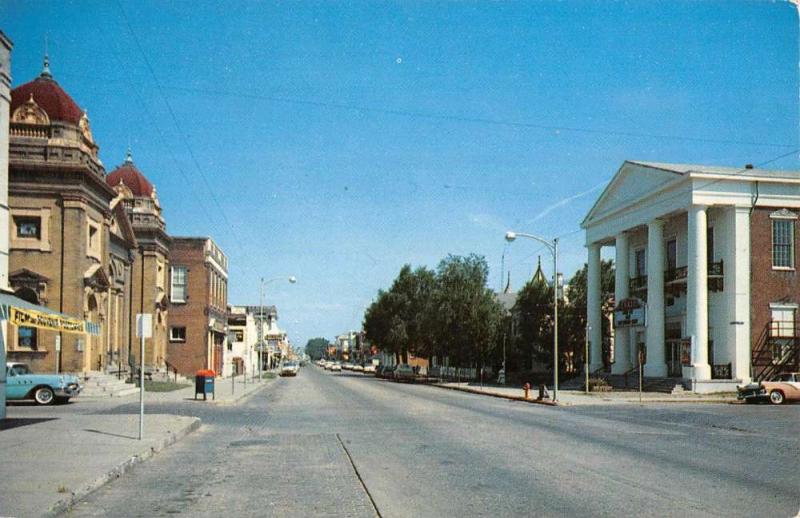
[[50, 97], [128, 174]]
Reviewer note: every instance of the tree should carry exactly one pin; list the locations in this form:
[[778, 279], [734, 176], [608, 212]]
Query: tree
[[534, 313], [315, 348], [574, 327], [467, 319], [398, 320]]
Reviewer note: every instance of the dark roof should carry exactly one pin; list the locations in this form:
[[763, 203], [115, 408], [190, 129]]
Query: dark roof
[[47, 93], [130, 175]]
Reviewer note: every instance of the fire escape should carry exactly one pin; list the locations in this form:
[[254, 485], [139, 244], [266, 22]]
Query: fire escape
[[777, 350]]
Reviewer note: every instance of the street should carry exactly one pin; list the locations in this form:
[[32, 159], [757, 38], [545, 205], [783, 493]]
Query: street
[[294, 448]]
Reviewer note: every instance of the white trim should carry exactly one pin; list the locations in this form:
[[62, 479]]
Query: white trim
[[784, 305]]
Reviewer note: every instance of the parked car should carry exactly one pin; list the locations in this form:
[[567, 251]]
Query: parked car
[[336, 366], [370, 368], [290, 369], [405, 372], [45, 389], [358, 368], [388, 372], [786, 387]]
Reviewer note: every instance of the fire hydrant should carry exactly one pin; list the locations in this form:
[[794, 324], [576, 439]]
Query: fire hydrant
[[527, 388]]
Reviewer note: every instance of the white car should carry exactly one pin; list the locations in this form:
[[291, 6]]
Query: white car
[[290, 369], [358, 368], [336, 366], [369, 368]]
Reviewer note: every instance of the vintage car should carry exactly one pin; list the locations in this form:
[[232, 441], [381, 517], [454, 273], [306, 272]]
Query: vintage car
[[45, 389], [785, 387]]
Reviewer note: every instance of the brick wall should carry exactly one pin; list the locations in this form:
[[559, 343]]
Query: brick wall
[[767, 285], [191, 355]]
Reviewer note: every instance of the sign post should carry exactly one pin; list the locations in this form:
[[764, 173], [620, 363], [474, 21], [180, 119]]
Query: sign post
[[58, 350], [144, 329]]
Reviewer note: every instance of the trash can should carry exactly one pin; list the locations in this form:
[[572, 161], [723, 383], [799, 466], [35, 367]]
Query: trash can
[[204, 383]]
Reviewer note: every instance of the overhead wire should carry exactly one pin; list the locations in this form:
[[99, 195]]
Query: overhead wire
[[232, 228]]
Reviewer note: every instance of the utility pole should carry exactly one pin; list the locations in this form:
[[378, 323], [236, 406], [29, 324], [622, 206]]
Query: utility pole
[[586, 356], [260, 327]]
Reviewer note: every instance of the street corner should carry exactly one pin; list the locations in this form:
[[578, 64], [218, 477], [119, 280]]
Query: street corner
[[102, 449]]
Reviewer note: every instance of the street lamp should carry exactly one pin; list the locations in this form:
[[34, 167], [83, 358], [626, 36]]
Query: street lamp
[[553, 248], [292, 280]]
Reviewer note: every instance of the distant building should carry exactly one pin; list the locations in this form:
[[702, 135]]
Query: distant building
[[198, 294]]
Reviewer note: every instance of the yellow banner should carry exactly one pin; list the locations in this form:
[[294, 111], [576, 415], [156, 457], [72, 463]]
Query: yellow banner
[[30, 318]]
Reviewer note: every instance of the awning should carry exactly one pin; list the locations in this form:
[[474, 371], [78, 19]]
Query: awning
[[23, 313]]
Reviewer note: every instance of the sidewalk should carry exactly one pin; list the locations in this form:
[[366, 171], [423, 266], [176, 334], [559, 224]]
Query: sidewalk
[[573, 397], [226, 392], [52, 462]]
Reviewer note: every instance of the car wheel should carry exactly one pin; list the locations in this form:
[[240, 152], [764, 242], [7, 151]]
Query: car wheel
[[44, 396], [776, 397]]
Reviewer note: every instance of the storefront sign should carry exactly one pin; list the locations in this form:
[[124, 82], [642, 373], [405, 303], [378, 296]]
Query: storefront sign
[[629, 313], [51, 322]]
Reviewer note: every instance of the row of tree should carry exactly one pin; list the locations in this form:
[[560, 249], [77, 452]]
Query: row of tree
[[450, 312]]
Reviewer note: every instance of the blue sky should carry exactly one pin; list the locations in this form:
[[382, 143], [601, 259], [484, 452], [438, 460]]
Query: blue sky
[[337, 141]]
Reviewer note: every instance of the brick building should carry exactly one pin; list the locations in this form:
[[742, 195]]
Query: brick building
[[198, 294], [706, 272], [149, 268], [63, 229]]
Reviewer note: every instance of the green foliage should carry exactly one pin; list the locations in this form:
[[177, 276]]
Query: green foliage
[[446, 312], [315, 348]]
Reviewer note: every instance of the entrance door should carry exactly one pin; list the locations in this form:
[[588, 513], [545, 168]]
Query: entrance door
[[672, 349]]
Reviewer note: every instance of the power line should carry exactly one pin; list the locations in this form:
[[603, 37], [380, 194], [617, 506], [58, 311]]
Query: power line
[[473, 120], [178, 126]]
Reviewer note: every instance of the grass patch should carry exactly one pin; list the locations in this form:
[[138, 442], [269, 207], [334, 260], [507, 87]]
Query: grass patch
[[269, 375], [162, 386]]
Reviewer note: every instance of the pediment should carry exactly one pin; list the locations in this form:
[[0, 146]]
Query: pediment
[[25, 275], [96, 277], [630, 184]]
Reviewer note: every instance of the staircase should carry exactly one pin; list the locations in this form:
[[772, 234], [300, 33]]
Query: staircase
[[777, 351], [102, 385]]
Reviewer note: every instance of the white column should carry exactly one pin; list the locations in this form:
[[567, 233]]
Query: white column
[[737, 290], [655, 366], [697, 294], [621, 285], [594, 302]]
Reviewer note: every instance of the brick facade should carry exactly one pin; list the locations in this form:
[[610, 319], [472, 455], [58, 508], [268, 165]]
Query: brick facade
[[204, 312], [768, 285]]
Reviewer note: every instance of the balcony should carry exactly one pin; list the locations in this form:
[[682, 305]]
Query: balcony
[[675, 279], [638, 286]]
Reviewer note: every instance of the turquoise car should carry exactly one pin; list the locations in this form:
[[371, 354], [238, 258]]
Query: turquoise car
[[45, 389]]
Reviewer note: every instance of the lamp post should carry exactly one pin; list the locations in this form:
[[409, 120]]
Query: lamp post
[[553, 248], [292, 279]]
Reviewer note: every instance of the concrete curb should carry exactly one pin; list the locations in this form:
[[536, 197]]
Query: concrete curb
[[494, 394], [76, 496]]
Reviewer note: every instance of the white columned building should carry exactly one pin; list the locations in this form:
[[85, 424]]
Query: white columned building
[[706, 282]]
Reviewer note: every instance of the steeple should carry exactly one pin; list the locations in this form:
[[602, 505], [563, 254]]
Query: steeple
[[129, 156], [46, 68], [538, 276]]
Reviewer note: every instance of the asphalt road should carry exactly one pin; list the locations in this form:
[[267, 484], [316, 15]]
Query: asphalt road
[[326, 444]]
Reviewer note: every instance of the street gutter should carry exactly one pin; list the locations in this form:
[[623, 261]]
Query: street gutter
[[545, 402]]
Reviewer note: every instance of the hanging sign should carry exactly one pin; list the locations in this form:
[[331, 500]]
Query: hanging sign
[[629, 313], [51, 322]]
